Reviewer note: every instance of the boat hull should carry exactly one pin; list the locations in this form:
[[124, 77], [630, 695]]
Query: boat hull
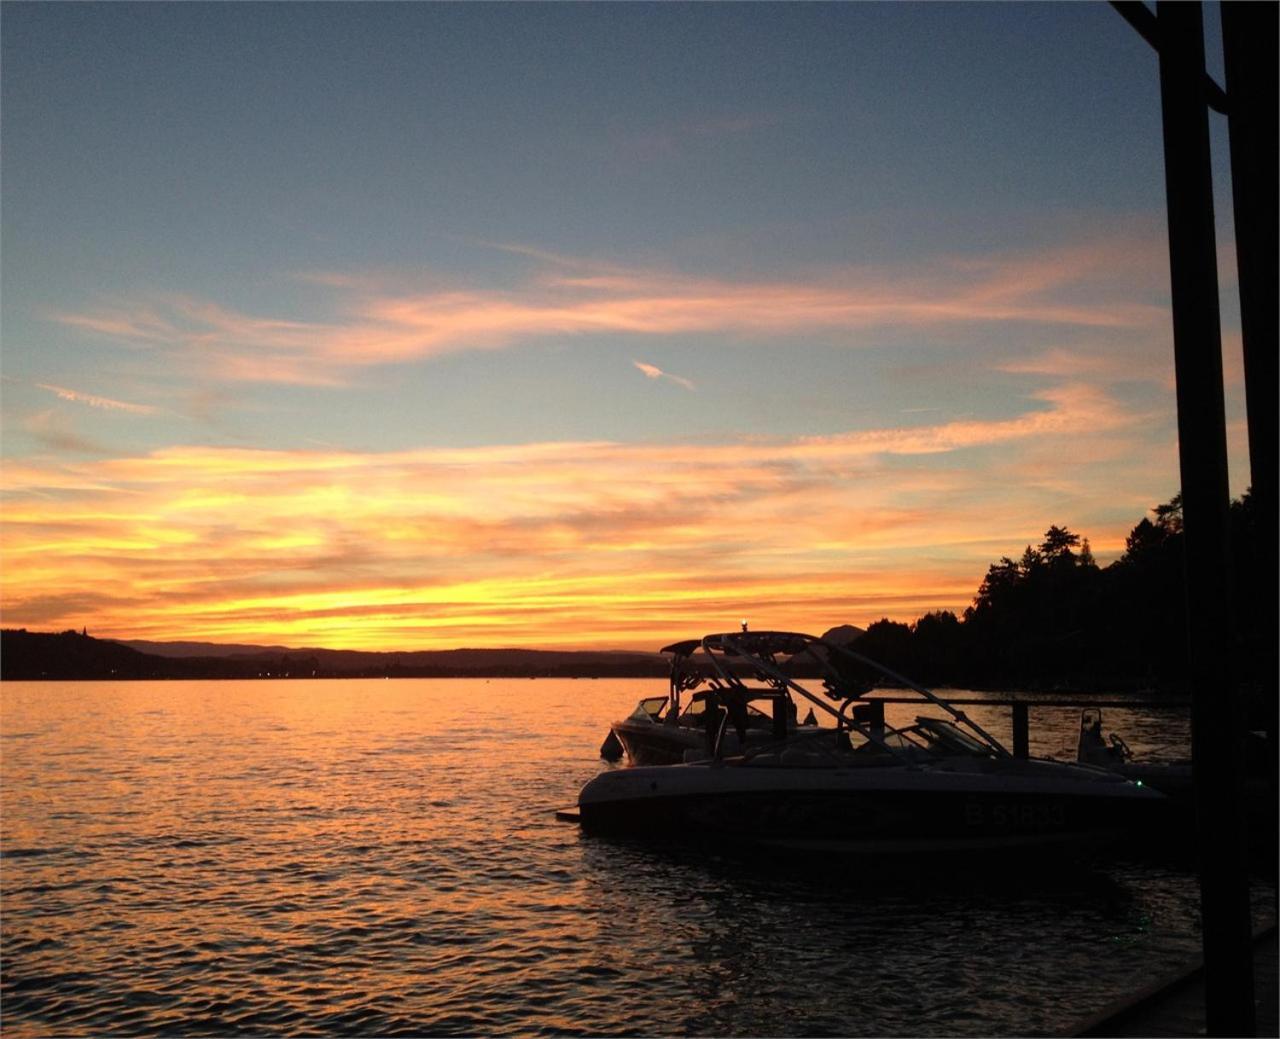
[[895, 812]]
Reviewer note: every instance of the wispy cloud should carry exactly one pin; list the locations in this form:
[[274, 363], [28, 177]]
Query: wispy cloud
[[654, 372], [94, 401], [1090, 286], [589, 542], [53, 431], [1141, 365]]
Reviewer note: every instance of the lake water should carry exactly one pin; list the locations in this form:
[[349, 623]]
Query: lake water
[[381, 858]]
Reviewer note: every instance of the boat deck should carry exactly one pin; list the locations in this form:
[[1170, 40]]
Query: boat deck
[[1174, 1006]]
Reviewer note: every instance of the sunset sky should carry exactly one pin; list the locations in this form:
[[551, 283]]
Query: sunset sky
[[416, 326]]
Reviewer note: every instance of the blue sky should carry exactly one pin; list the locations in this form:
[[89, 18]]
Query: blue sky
[[291, 232]]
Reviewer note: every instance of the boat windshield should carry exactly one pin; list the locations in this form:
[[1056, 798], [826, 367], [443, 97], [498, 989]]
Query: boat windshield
[[895, 739], [698, 705], [926, 740], [651, 708], [828, 747], [945, 737]]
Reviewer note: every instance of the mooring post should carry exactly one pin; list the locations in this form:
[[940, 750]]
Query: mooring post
[[1249, 32], [1021, 731], [1249, 48], [1202, 456], [877, 718]]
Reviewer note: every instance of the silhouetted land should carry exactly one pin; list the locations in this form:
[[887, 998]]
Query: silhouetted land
[[29, 656], [1052, 619]]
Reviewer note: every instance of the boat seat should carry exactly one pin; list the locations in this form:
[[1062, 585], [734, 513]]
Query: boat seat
[[799, 757]]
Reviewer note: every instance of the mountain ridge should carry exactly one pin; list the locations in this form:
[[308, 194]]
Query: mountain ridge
[[72, 655]]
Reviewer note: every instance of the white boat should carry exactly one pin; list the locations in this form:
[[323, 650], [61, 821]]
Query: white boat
[[861, 785]]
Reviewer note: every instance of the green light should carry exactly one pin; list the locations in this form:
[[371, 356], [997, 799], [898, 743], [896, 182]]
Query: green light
[[1138, 781]]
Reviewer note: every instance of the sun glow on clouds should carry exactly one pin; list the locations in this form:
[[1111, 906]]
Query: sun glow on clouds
[[570, 544], [599, 543], [1103, 284]]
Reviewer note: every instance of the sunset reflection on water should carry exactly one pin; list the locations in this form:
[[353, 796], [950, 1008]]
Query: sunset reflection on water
[[380, 857]]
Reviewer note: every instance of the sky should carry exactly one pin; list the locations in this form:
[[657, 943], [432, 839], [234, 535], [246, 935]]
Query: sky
[[413, 326]]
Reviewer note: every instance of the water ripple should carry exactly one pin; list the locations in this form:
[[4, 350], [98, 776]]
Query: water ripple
[[379, 858]]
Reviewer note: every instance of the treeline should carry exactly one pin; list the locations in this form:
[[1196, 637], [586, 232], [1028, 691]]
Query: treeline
[[1054, 619]]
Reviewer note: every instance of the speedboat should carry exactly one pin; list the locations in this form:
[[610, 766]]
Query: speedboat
[[860, 785]]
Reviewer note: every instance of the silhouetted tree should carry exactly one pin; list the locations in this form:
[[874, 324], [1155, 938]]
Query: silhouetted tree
[[889, 643], [998, 587], [1169, 515], [1054, 617], [1144, 537], [1058, 541], [936, 647], [1030, 621], [1086, 554]]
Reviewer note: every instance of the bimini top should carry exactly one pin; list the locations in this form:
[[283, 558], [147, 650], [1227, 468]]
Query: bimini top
[[754, 643], [724, 659]]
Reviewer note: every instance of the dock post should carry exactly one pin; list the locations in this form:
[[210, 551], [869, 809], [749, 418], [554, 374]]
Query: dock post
[[1202, 457], [1021, 731], [877, 718], [1249, 46]]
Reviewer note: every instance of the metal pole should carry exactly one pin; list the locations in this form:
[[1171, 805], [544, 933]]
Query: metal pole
[[1249, 35], [1202, 455], [877, 720], [1021, 731], [1138, 15]]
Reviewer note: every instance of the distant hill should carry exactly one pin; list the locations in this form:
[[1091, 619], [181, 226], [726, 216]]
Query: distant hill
[[199, 649], [843, 635], [26, 656], [502, 661]]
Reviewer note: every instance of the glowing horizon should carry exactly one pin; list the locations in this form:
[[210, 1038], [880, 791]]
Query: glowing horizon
[[572, 545], [572, 327]]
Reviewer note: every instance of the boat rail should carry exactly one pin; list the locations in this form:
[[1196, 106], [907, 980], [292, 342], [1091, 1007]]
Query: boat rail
[[1020, 708], [718, 648], [858, 710]]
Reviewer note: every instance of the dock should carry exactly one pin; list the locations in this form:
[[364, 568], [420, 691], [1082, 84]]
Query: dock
[[1174, 1005]]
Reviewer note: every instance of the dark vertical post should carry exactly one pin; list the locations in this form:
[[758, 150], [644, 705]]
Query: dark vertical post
[[1249, 34], [877, 718], [1249, 45], [1021, 731], [781, 709], [1202, 456]]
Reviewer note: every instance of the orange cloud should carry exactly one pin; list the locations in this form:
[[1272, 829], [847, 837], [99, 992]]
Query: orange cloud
[[583, 543], [1148, 365], [1075, 286]]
